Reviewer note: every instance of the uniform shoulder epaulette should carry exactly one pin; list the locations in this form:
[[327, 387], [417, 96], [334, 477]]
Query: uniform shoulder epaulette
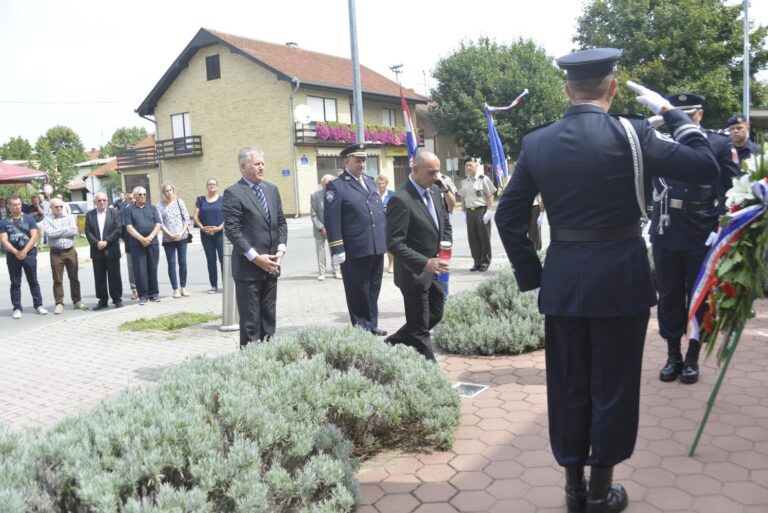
[[631, 115], [717, 132], [531, 130]]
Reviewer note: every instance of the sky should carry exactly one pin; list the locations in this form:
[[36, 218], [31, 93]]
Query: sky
[[88, 64]]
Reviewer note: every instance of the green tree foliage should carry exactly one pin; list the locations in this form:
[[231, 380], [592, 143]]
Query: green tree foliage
[[126, 136], [17, 148], [488, 72], [59, 150], [676, 46]]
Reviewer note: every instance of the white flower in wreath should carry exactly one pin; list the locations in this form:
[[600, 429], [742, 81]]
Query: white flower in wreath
[[740, 192]]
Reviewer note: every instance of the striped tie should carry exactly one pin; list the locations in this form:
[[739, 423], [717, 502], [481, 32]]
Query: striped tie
[[262, 199]]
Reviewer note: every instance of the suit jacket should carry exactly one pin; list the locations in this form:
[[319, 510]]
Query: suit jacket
[[113, 230], [354, 217], [246, 226], [317, 209], [582, 166], [412, 236]]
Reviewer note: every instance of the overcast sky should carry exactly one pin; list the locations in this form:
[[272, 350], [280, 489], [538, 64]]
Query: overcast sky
[[88, 64]]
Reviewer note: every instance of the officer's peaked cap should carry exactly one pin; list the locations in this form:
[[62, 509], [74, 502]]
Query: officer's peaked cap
[[592, 63], [354, 150], [687, 100], [736, 119]]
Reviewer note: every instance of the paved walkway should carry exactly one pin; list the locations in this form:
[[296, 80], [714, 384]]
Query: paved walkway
[[501, 460]]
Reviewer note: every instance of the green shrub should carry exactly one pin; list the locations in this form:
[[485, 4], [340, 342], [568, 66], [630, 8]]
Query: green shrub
[[494, 318], [279, 427]]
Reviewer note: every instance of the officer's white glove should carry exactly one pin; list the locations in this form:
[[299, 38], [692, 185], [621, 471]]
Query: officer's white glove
[[487, 217], [649, 98], [540, 219], [536, 292], [711, 239], [339, 258], [656, 121]]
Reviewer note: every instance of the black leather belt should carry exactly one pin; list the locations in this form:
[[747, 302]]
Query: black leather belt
[[629, 231], [693, 206], [57, 251], [472, 209]]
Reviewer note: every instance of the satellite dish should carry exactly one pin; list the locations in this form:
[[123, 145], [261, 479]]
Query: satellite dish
[[302, 114]]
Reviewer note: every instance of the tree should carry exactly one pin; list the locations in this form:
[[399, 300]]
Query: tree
[[680, 46], [121, 138], [17, 148], [59, 150], [488, 72]]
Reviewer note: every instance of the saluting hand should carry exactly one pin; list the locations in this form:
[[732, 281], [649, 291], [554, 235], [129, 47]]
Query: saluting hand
[[651, 99]]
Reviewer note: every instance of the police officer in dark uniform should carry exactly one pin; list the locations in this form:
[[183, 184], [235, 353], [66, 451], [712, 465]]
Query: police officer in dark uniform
[[596, 289], [738, 129], [356, 226], [685, 215]]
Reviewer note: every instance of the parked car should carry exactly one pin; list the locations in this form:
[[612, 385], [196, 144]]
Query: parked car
[[78, 207]]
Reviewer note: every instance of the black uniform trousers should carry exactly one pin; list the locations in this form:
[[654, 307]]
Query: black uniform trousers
[[106, 272], [676, 272], [479, 236], [362, 284], [257, 306], [423, 310], [593, 386], [144, 261]]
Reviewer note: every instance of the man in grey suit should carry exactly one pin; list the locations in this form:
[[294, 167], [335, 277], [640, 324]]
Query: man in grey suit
[[103, 228], [316, 213], [416, 224], [255, 225]]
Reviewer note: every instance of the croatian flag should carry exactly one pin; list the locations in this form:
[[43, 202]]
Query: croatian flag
[[497, 152], [410, 135]]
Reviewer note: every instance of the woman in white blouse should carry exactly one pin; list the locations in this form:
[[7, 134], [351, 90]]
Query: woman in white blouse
[[175, 225]]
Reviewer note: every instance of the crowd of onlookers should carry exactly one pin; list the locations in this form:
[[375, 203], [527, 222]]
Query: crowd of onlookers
[[26, 227]]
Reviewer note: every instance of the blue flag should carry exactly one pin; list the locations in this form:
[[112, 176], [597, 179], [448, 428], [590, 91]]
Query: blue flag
[[500, 168]]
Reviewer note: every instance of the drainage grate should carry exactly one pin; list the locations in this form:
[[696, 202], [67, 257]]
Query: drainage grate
[[469, 389]]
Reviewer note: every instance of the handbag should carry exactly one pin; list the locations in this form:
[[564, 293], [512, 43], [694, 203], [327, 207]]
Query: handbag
[[189, 238]]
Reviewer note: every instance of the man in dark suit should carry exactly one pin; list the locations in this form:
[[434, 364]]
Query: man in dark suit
[[355, 223], [255, 225], [417, 223], [596, 289], [103, 228]]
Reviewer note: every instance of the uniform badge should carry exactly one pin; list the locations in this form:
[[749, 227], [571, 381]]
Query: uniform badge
[[329, 195], [734, 156], [664, 137]]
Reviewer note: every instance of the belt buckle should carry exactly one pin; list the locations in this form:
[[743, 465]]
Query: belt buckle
[[676, 203]]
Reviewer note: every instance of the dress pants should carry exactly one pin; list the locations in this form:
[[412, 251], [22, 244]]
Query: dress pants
[[29, 267], [593, 387], [60, 260], [320, 245], [144, 260], [676, 272], [479, 236], [106, 272], [423, 310], [256, 304], [362, 284]]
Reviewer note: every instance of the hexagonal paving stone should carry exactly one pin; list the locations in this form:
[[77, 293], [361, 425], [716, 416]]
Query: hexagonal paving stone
[[508, 489], [464, 462], [682, 465], [372, 475], [435, 473], [528, 442], [496, 437], [473, 501], [732, 443], [370, 493], [468, 446], [400, 483], [435, 492], [403, 466], [470, 481], [726, 472], [750, 459], [436, 507], [748, 494], [434, 458], [668, 498], [546, 496], [513, 506], [501, 452], [504, 469], [716, 503], [651, 477], [542, 476], [699, 484], [397, 503]]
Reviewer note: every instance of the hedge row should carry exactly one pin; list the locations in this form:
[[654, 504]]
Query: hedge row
[[493, 318], [279, 427]]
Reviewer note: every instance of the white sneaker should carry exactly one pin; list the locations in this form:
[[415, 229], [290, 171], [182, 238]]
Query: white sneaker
[[58, 309], [176, 293], [337, 275], [214, 290], [320, 277], [42, 311], [16, 314]]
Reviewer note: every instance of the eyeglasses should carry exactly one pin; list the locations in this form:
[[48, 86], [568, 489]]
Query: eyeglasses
[[212, 184], [57, 206], [139, 193]]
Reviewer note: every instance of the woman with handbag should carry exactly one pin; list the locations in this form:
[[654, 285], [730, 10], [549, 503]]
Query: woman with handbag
[[175, 225]]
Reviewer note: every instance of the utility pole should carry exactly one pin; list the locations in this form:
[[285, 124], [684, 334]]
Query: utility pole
[[745, 100], [396, 69], [357, 93]]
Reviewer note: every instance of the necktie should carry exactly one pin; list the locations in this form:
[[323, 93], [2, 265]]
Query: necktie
[[361, 181], [430, 206], [262, 199]]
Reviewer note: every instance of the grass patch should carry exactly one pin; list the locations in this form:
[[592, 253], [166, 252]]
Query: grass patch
[[172, 322]]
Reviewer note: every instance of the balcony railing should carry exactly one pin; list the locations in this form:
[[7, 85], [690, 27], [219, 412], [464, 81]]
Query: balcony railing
[[191, 146], [342, 134], [137, 157]]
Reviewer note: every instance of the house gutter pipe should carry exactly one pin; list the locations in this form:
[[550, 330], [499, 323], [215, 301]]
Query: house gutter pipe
[[356, 87], [157, 136], [296, 84]]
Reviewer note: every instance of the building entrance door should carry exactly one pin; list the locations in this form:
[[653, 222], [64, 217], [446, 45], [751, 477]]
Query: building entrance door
[[401, 170]]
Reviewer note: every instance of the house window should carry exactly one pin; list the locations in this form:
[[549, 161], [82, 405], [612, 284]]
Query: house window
[[388, 117], [323, 109], [212, 67], [182, 132]]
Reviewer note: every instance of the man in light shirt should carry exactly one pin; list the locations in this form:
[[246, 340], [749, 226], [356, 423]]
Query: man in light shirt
[[62, 231]]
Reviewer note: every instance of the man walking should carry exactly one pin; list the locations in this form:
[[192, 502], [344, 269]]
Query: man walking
[[62, 231], [477, 192], [103, 228], [255, 225], [18, 235], [417, 222], [354, 219], [142, 224], [596, 289], [317, 213]]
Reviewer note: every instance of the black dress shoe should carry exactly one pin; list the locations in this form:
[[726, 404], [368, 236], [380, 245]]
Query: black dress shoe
[[482, 268], [575, 490], [119, 304], [378, 332], [605, 496], [690, 373], [474, 268], [100, 306], [672, 369]]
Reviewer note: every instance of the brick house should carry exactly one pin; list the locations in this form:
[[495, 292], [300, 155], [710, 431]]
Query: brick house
[[225, 92]]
